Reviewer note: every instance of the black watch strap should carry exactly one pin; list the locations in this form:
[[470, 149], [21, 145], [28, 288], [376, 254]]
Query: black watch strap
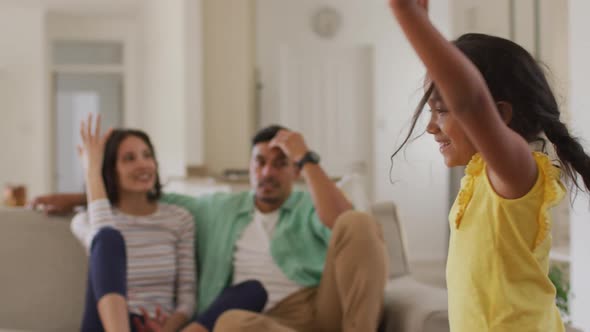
[[308, 157]]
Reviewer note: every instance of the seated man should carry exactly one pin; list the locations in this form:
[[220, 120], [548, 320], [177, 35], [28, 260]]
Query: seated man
[[324, 267]]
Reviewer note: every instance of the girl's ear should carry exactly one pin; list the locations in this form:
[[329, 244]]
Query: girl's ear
[[505, 109]]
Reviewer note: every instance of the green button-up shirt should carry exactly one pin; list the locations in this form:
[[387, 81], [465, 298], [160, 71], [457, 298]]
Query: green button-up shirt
[[298, 245]]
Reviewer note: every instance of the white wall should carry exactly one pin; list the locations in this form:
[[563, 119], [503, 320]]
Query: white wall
[[555, 50], [163, 104], [23, 99], [492, 17], [162, 51], [195, 126], [421, 178], [503, 18], [579, 106], [171, 102], [229, 82]]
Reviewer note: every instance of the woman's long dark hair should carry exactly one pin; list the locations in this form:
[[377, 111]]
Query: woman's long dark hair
[[109, 164], [514, 76]]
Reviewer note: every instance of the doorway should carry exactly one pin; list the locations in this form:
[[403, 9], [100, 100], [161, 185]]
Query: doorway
[[87, 78]]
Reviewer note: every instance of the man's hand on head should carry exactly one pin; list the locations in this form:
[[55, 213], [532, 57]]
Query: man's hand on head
[[291, 143]]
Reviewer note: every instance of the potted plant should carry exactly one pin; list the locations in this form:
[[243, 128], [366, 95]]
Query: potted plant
[[562, 286]]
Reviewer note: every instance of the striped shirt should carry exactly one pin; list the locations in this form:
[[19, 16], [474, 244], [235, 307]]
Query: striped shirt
[[253, 259], [160, 256]]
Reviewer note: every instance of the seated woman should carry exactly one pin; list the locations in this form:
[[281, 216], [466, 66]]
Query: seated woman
[[141, 256]]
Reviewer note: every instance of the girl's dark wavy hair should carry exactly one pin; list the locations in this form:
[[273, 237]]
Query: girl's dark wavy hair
[[514, 76], [109, 164]]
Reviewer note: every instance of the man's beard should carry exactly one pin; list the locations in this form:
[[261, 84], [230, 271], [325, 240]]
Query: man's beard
[[269, 200]]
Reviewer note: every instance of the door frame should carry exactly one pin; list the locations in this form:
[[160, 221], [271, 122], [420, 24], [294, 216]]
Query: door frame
[[55, 70]]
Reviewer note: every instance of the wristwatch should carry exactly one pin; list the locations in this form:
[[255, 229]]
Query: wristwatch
[[308, 157]]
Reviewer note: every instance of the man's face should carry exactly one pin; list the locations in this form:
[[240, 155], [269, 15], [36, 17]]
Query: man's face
[[271, 174]]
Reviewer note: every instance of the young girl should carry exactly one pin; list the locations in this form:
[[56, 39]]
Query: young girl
[[141, 264], [489, 100]]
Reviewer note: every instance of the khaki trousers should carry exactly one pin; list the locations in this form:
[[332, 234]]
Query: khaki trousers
[[349, 297]]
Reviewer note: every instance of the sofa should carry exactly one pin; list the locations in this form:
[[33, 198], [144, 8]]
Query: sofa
[[43, 277]]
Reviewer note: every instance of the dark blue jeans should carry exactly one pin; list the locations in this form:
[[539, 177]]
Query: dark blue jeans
[[107, 273], [249, 295]]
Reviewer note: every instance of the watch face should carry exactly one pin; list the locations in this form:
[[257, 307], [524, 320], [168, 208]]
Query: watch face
[[309, 157], [314, 157]]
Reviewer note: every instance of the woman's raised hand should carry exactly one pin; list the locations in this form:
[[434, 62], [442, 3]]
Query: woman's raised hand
[[91, 151], [401, 4]]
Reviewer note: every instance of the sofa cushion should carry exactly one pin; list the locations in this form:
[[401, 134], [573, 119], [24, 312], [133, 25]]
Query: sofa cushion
[[414, 306], [386, 214], [43, 288]]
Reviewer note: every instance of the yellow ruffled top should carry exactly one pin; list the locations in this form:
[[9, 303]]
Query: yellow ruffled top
[[498, 264]]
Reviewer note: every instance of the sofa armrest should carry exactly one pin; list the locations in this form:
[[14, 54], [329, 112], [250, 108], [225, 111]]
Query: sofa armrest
[[411, 306]]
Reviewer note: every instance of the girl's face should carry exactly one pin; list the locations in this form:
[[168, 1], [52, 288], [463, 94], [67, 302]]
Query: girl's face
[[454, 144], [136, 167]]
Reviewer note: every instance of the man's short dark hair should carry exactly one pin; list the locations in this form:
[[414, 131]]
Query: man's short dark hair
[[266, 134]]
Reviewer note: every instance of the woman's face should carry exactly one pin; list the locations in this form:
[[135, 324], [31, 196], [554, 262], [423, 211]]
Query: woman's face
[[454, 145], [136, 166]]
